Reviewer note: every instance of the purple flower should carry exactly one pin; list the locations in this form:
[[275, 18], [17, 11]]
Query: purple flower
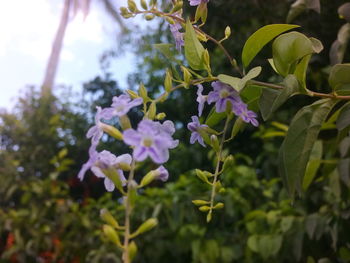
[[241, 110], [121, 106], [96, 132], [162, 173], [103, 161], [197, 2], [201, 99], [179, 37], [151, 139], [194, 127], [222, 94]]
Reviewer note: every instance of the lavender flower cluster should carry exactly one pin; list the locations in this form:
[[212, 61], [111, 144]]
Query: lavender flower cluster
[[151, 139], [224, 97]]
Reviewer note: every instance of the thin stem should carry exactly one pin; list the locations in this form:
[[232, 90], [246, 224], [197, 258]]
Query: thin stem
[[216, 175], [128, 210], [310, 93], [217, 42]]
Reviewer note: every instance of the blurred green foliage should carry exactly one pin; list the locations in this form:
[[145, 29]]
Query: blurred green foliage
[[47, 215]]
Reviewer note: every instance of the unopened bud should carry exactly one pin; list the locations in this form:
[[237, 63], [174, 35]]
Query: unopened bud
[[112, 131], [227, 32], [145, 226], [109, 219], [151, 113], [219, 206], [143, 4], [149, 17], [168, 83], [132, 6], [177, 7], [204, 208], [160, 116], [215, 142], [200, 202], [112, 235], [132, 94]]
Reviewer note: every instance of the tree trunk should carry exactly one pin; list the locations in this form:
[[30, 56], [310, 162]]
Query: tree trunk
[[51, 68]]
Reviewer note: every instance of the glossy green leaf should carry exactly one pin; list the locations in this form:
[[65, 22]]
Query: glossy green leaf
[[193, 48], [214, 118], [232, 81], [343, 120], [288, 49], [313, 164], [253, 73], [300, 72], [271, 100], [260, 38], [339, 79], [296, 149], [251, 95]]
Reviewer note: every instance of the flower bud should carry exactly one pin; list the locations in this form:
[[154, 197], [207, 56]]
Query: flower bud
[[168, 83], [187, 76], [132, 94], [151, 113], [149, 17], [132, 250], [160, 116], [219, 206], [200, 202], [229, 161], [215, 143], [177, 7], [143, 93], [204, 208], [112, 235], [125, 122], [112, 131], [132, 6], [143, 4], [227, 32], [109, 219], [148, 178], [145, 226]]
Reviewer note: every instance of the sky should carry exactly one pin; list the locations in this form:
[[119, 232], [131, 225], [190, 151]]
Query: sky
[[26, 36]]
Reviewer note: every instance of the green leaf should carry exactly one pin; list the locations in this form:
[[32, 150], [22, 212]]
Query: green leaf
[[288, 49], [167, 50], [253, 243], [269, 245], [214, 118], [253, 73], [260, 38], [339, 79], [313, 164], [286, 223], [301, 136], [271, 100], [343, 120], [193, 48], [300, 6], [300, 72], [232, 81], [251, 95]]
